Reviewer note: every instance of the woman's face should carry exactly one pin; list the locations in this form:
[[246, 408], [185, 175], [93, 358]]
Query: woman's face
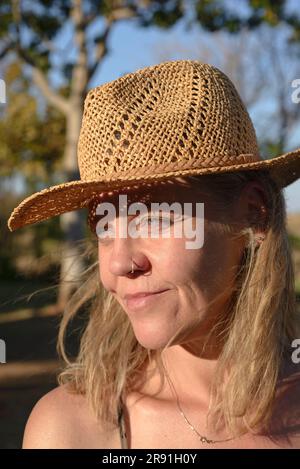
[[185, 279]]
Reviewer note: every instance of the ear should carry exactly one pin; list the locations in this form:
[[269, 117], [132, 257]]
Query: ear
[[251, 208]]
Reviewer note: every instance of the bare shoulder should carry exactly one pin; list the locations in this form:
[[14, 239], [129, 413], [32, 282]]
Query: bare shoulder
[[50, 420], [62, 420]]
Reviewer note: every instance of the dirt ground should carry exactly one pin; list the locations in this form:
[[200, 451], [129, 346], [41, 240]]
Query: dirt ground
[[16, 404], [31, 359], [29, 372]]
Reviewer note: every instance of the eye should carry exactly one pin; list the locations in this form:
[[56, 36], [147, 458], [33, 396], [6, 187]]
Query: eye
[[157, 222], [152, 220]]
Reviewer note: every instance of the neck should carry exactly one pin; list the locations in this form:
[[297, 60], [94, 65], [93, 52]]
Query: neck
[[190, 374]]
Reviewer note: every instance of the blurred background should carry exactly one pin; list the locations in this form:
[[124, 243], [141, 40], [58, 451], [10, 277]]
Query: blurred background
[[51, 53]]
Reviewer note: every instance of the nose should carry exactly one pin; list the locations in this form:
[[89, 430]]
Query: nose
[[123, 252]]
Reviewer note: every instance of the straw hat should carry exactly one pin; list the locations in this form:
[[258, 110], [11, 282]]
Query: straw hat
[[175, 118]]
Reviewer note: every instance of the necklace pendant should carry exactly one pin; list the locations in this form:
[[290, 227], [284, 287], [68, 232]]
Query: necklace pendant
[[203, 439]]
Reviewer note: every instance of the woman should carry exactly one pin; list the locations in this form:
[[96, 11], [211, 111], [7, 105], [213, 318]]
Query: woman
[[187, 345]]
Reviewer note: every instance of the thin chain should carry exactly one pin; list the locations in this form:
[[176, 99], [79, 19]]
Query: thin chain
[[202, 438]]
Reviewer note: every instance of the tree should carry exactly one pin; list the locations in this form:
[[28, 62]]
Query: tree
[[45, 19], [31, 29], [29, 158]]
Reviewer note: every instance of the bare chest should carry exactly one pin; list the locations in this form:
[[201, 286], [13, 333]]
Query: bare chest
[[161, 426]]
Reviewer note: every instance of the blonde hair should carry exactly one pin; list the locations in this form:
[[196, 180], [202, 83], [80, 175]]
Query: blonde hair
[[256, 333]]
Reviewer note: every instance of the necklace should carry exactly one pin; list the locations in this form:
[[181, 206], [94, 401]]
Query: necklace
[[202, 438]]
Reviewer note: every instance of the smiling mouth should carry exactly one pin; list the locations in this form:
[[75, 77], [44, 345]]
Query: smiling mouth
[[139, 302]]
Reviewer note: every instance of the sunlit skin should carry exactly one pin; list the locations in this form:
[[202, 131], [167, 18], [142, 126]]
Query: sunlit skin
[[192, 277]]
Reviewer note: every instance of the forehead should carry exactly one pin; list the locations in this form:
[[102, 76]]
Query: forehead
[[169, 191], [176, 190]]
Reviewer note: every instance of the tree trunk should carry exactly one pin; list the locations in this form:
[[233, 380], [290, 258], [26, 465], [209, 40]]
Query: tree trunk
[[72, 263]]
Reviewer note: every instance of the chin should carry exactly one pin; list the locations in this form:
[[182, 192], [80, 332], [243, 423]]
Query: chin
[[151, 339], [151, 345]]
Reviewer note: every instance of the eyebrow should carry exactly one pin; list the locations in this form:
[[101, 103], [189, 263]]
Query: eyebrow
[[147, 203], [147, 197]]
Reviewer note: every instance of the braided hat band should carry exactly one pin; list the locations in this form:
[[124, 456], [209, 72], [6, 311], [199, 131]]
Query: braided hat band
[[175, 118]]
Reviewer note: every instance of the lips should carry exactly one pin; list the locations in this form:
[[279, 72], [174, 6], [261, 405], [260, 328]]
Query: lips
[[143, 299], [141, 294]]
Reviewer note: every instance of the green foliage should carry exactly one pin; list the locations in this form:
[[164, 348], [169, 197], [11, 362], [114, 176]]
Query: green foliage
[[167, 15], [214, 15], [31, 149], [30, 144], [6, 17], [32, 252], [270, 148], [294, 241]]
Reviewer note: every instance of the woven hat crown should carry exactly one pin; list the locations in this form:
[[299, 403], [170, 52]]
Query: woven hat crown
[[171, 116]]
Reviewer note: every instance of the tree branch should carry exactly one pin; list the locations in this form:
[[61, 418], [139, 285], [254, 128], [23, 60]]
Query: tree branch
[[80, 72], [38, 76], [7, 47], [41, 81], [123, 13], [100, 49], [117, 14]]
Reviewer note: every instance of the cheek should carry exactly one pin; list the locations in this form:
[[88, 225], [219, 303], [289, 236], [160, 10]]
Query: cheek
[[177, 264], [206, 270], [101, 271], [104, 276], [218, 264]]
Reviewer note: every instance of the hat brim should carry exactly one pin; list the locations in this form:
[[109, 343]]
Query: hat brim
[[62, 198]]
